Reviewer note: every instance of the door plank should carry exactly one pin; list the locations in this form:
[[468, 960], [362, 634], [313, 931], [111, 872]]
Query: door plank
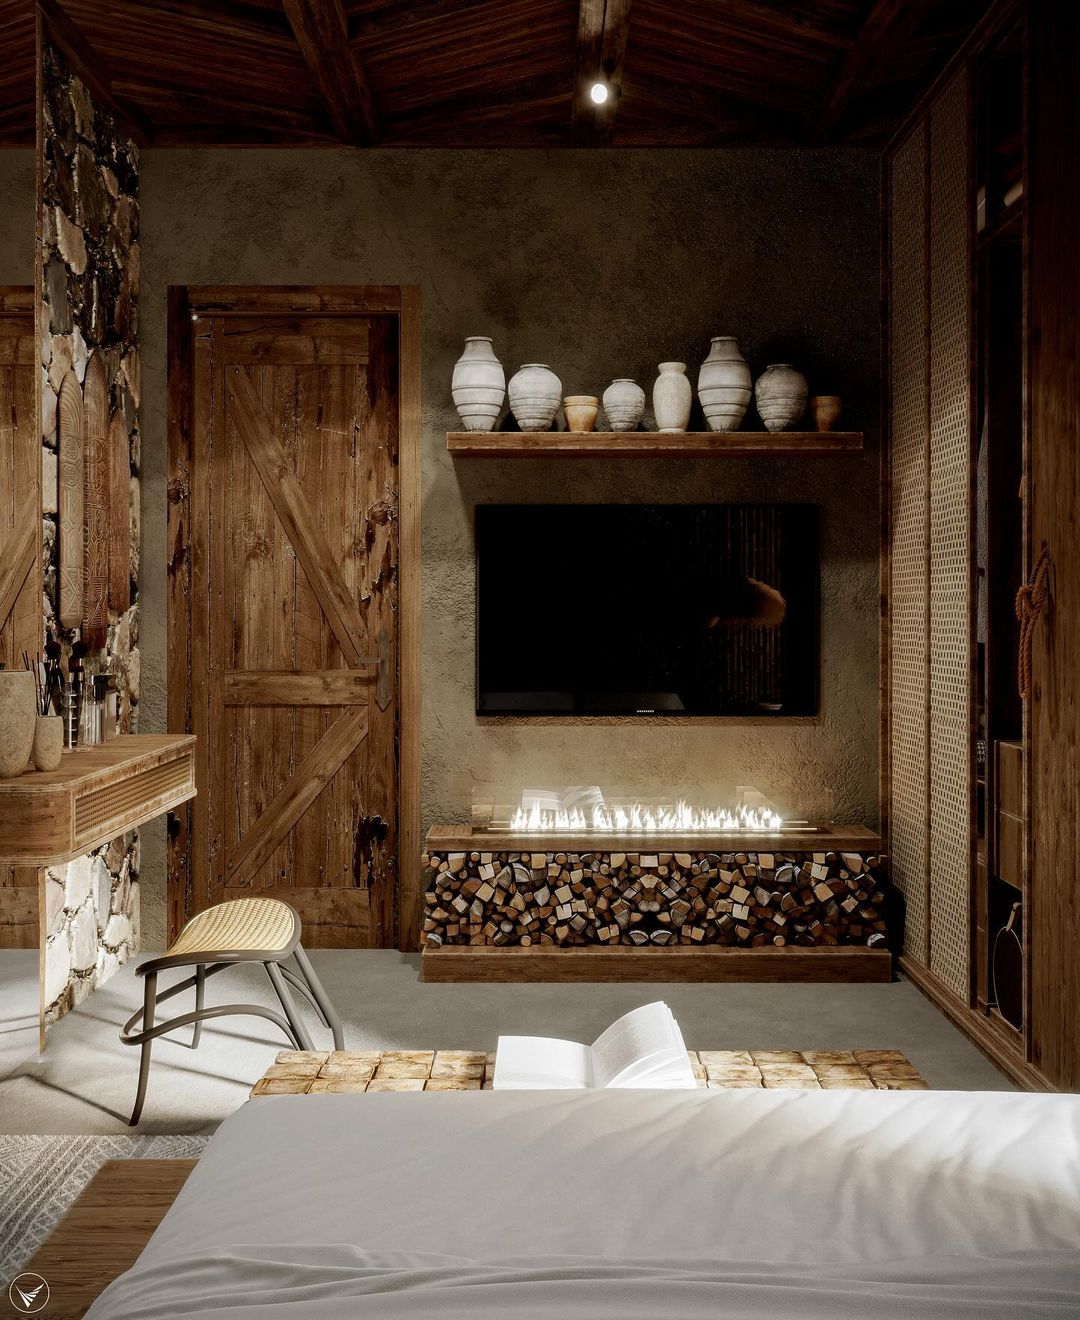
[[16, 561], [376, 844], [257, 630], [291, 505], [72, 495], [311, 777], [316, 687]]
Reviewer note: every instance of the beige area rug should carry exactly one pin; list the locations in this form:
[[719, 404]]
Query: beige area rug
[[40, 1177]]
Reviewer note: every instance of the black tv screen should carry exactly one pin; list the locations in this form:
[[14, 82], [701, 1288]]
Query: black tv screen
[[648, 609]]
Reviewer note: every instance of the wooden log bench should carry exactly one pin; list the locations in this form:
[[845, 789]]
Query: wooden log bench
[[304, 1072]]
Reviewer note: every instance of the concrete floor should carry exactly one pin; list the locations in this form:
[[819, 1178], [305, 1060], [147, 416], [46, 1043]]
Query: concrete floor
[[85, 1081]]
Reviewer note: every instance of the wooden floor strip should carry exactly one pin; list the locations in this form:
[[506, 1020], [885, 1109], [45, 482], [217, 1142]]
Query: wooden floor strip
[[106, 1228]]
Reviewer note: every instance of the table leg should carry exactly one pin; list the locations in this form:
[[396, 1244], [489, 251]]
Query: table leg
[[42, 932]]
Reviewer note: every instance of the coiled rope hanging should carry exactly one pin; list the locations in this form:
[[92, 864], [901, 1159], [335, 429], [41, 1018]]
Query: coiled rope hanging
[[1030, 600]]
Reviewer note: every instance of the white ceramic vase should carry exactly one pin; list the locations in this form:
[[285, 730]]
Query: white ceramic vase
[[724, 385], [535, 392], [624, 404], [479, 385], [780, 393], [672, 397], [18, 716]]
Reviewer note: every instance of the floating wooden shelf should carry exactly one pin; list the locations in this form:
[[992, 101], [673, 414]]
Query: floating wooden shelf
[[651, 444], [47, 818], [464, 962]]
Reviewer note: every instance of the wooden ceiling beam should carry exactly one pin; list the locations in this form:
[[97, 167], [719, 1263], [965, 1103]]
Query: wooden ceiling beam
[[887, 26], [322, 32], [603, 29], [92, 70]]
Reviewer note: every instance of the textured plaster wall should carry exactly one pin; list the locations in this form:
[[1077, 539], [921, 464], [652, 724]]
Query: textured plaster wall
[[601, 264], [16, 217]]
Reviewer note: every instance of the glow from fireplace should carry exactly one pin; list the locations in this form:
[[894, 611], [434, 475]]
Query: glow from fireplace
[[639, 818]]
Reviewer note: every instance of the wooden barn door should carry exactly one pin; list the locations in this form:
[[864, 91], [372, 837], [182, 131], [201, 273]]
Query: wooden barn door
[[290, 617]]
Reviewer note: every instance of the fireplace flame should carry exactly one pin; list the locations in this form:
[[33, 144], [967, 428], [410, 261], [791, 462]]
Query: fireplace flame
[[637, 818]]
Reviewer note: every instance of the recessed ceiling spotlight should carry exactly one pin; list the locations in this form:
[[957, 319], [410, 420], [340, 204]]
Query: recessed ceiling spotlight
[[599, 93]]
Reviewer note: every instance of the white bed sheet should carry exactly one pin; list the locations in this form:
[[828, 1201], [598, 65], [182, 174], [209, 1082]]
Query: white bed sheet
[[624, 1204]]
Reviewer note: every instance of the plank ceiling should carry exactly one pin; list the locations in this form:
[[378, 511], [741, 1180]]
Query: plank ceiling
[[446, 73]]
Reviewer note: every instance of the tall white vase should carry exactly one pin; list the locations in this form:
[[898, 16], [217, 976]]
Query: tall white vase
[[672, 397], [724, 385], [479, 385], [535, 392], [780, 393], [18, 716], [624, 404]]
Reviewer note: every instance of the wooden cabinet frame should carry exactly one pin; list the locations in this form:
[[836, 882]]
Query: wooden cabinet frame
[[186, 304]]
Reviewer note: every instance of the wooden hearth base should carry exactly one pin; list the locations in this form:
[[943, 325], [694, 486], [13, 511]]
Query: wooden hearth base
[[678, 963]]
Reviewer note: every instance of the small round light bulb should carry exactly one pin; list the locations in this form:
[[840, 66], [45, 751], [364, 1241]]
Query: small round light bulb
[[599, 93]]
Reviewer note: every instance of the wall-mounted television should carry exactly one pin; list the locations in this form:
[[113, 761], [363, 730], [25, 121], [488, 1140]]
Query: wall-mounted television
[[647, 609]]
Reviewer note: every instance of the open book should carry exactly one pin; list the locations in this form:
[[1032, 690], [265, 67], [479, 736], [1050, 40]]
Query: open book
[[643, 1049]]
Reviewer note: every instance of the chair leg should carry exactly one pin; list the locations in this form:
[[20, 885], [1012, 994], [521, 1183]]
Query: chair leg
[[149, 1000], [329, 1014], [295, 1020], [200, 999]]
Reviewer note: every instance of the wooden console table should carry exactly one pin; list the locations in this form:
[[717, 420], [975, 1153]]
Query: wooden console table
[[98, 793], [791, 906]]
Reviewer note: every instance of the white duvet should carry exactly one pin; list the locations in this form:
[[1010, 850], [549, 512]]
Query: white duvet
[[624, 1206]]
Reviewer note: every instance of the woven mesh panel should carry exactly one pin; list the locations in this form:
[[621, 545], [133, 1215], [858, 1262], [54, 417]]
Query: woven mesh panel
[[908, 588], [950, 542]]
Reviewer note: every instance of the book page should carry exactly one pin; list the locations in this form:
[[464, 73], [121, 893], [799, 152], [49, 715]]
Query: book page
[[643, 1049], [540, 1063]]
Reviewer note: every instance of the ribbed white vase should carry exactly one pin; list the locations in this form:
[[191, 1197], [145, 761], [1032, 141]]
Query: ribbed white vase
[[672, 397], [780, 393], [624, 404], [479, 385], [724, 385], [535, 392]]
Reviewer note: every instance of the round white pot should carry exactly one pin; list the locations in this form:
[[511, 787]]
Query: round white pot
[[624, 404], [671, 397], [535, 392], [724, 385], [780, 393], [479, 385], [18, 716]]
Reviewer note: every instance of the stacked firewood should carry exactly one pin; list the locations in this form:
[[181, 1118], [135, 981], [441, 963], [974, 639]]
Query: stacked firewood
[[729, 898]]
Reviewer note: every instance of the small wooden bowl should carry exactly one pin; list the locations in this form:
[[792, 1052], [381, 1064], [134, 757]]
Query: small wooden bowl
[[581, 410], [825, 410]]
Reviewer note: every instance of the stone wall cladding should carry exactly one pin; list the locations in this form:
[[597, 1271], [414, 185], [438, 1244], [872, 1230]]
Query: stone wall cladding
[[658, 898], [89, 264]]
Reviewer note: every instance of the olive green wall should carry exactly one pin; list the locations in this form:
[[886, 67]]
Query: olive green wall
[[602, 264], [16, 217]]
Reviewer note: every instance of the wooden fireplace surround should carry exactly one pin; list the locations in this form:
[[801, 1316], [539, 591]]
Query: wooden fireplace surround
[[520, 907]]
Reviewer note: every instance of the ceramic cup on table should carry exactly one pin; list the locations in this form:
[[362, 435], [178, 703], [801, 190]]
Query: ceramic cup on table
[[48, 742], [581, 410], [825, 410]]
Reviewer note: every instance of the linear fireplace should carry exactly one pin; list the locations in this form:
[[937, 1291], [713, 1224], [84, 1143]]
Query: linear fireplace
[[804, 902]]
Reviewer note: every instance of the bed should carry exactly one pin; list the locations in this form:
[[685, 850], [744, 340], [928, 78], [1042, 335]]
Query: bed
[[628, 1205]]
